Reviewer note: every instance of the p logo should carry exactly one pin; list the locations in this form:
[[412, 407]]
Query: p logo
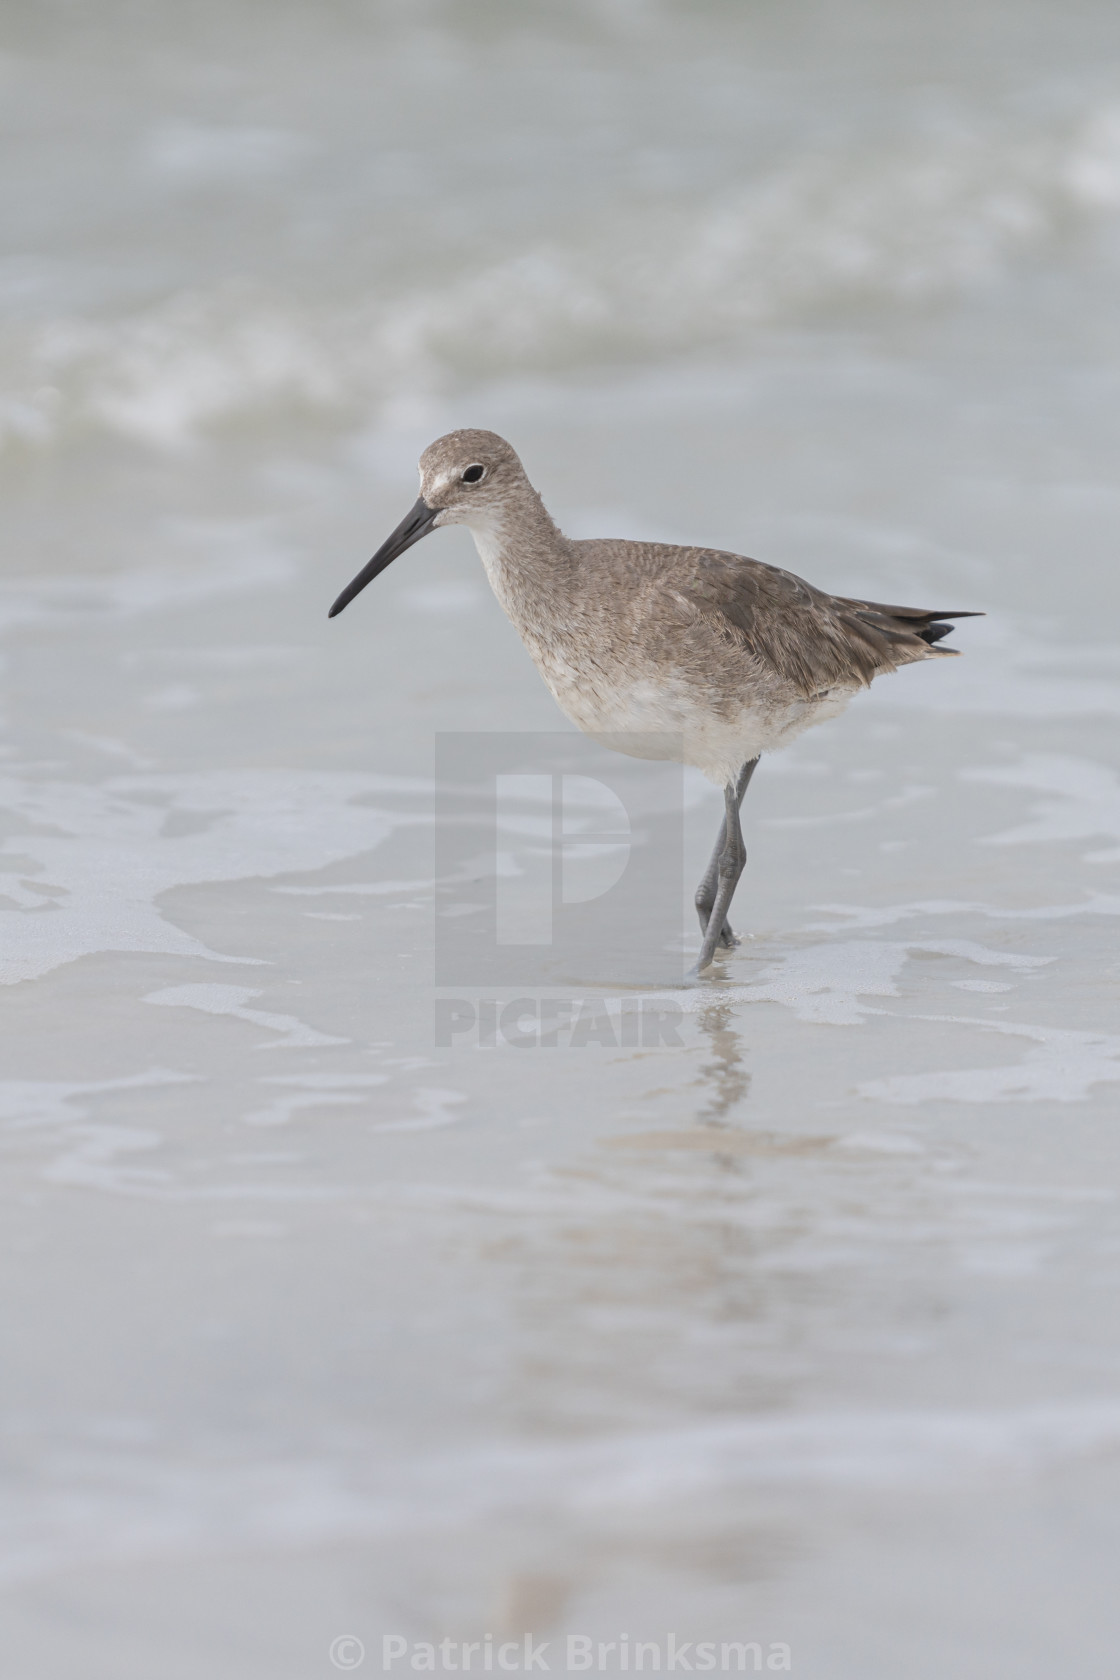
[[557, 861]]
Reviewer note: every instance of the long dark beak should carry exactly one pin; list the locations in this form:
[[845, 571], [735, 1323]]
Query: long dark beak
[[415, 524]]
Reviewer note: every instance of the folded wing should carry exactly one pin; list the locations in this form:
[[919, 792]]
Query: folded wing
[[812, 639]]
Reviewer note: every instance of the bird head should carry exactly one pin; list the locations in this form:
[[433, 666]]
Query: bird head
[[467, 478]]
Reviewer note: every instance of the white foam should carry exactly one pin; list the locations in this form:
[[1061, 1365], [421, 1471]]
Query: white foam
[[867, 916], [106, 855], [881, 1143], [1064, 1067], [827, 983], [313, 1091], [89, 1151], [214, 999], [436, 1106], [1085, 802], [133, 1505], [360, 889]]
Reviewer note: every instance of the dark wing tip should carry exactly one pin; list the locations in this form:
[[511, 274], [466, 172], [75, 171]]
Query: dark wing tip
[[939, 626]]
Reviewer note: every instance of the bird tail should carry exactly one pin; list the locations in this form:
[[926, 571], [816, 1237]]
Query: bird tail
[[909, 624]]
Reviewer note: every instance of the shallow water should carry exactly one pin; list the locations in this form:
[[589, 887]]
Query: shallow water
[[798, 1330]]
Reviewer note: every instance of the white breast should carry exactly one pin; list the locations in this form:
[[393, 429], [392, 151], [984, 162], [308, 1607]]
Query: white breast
[[665, 717]]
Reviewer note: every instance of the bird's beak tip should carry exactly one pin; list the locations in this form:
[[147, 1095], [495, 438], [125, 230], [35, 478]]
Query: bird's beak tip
[[416, 524]]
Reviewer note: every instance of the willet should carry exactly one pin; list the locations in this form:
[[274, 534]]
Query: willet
[[657, 650]]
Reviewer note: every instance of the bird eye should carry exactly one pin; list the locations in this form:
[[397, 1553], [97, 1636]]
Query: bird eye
[[473, 474]]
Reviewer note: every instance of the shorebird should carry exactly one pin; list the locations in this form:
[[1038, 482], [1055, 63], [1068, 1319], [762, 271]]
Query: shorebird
[[657, 650]]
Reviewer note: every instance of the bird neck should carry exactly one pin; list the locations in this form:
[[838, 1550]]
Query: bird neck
[[529, 561]]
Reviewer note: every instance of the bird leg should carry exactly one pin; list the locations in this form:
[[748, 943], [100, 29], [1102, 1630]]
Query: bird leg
[[706, 891], [730, 860]]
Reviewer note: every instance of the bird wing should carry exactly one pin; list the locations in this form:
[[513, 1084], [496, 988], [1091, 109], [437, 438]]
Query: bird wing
[[811, 639]]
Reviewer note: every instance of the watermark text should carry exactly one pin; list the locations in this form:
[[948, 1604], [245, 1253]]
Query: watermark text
[[549, 1023], [574, 1653]]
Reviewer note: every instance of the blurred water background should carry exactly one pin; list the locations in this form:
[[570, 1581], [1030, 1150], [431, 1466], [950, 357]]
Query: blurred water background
[[802, 1331]]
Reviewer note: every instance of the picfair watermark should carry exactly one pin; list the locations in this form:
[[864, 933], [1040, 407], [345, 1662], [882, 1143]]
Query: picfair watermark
[[550, 1023]]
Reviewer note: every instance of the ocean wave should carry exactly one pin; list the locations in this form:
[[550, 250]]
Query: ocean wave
[[812, 241]]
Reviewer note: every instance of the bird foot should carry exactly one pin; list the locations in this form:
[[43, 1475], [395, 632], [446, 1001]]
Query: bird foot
[[728, 939], [727, 942]]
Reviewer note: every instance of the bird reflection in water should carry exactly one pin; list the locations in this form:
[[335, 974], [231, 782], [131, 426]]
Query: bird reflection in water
[[717, 1128], [724, 1077]]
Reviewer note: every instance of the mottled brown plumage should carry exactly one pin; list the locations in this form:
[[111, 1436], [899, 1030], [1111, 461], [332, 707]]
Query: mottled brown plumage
[[804, 637]]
